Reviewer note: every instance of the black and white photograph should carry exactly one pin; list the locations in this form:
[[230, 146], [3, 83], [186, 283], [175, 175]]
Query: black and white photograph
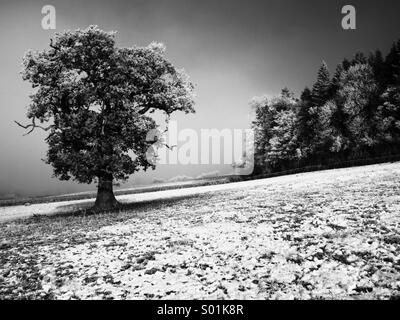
[[211, 150]]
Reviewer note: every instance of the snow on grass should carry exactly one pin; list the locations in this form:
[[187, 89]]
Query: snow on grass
[[323, 235]]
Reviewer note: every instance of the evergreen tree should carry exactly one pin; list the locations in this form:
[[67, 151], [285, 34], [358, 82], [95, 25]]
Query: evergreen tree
[[335, 84], [305, 129], [306, 95], [346, 64], [262, 126], [377, 62], [359, 58], [393, 64], [321, 88]]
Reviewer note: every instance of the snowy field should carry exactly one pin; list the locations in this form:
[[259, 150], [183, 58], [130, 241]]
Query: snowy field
[[322, 235]]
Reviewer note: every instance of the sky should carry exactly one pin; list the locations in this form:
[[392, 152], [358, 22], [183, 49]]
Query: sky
[[232, 51]]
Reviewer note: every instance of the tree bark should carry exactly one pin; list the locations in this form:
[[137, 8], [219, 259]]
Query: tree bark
[[105, 198]]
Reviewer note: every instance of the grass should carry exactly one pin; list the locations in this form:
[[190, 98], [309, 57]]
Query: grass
[[321, 235]]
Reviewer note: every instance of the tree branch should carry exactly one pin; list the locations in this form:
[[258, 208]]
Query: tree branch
[[144, 110], [156, 107], [53, 46], [165, 131], [33, 125]]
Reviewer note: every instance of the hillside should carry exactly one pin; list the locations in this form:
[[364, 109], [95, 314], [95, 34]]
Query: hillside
[[326, 234]]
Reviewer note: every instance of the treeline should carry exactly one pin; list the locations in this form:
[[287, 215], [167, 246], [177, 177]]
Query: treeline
[[353, 114]]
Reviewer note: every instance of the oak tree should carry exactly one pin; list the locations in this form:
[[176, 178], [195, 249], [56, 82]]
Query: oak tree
[[95, 100]]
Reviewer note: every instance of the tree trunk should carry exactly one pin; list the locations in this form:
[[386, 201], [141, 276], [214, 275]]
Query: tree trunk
[[105, 196]]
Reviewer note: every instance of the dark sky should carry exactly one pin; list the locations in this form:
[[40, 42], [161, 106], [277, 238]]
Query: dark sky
[[232, 50]]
